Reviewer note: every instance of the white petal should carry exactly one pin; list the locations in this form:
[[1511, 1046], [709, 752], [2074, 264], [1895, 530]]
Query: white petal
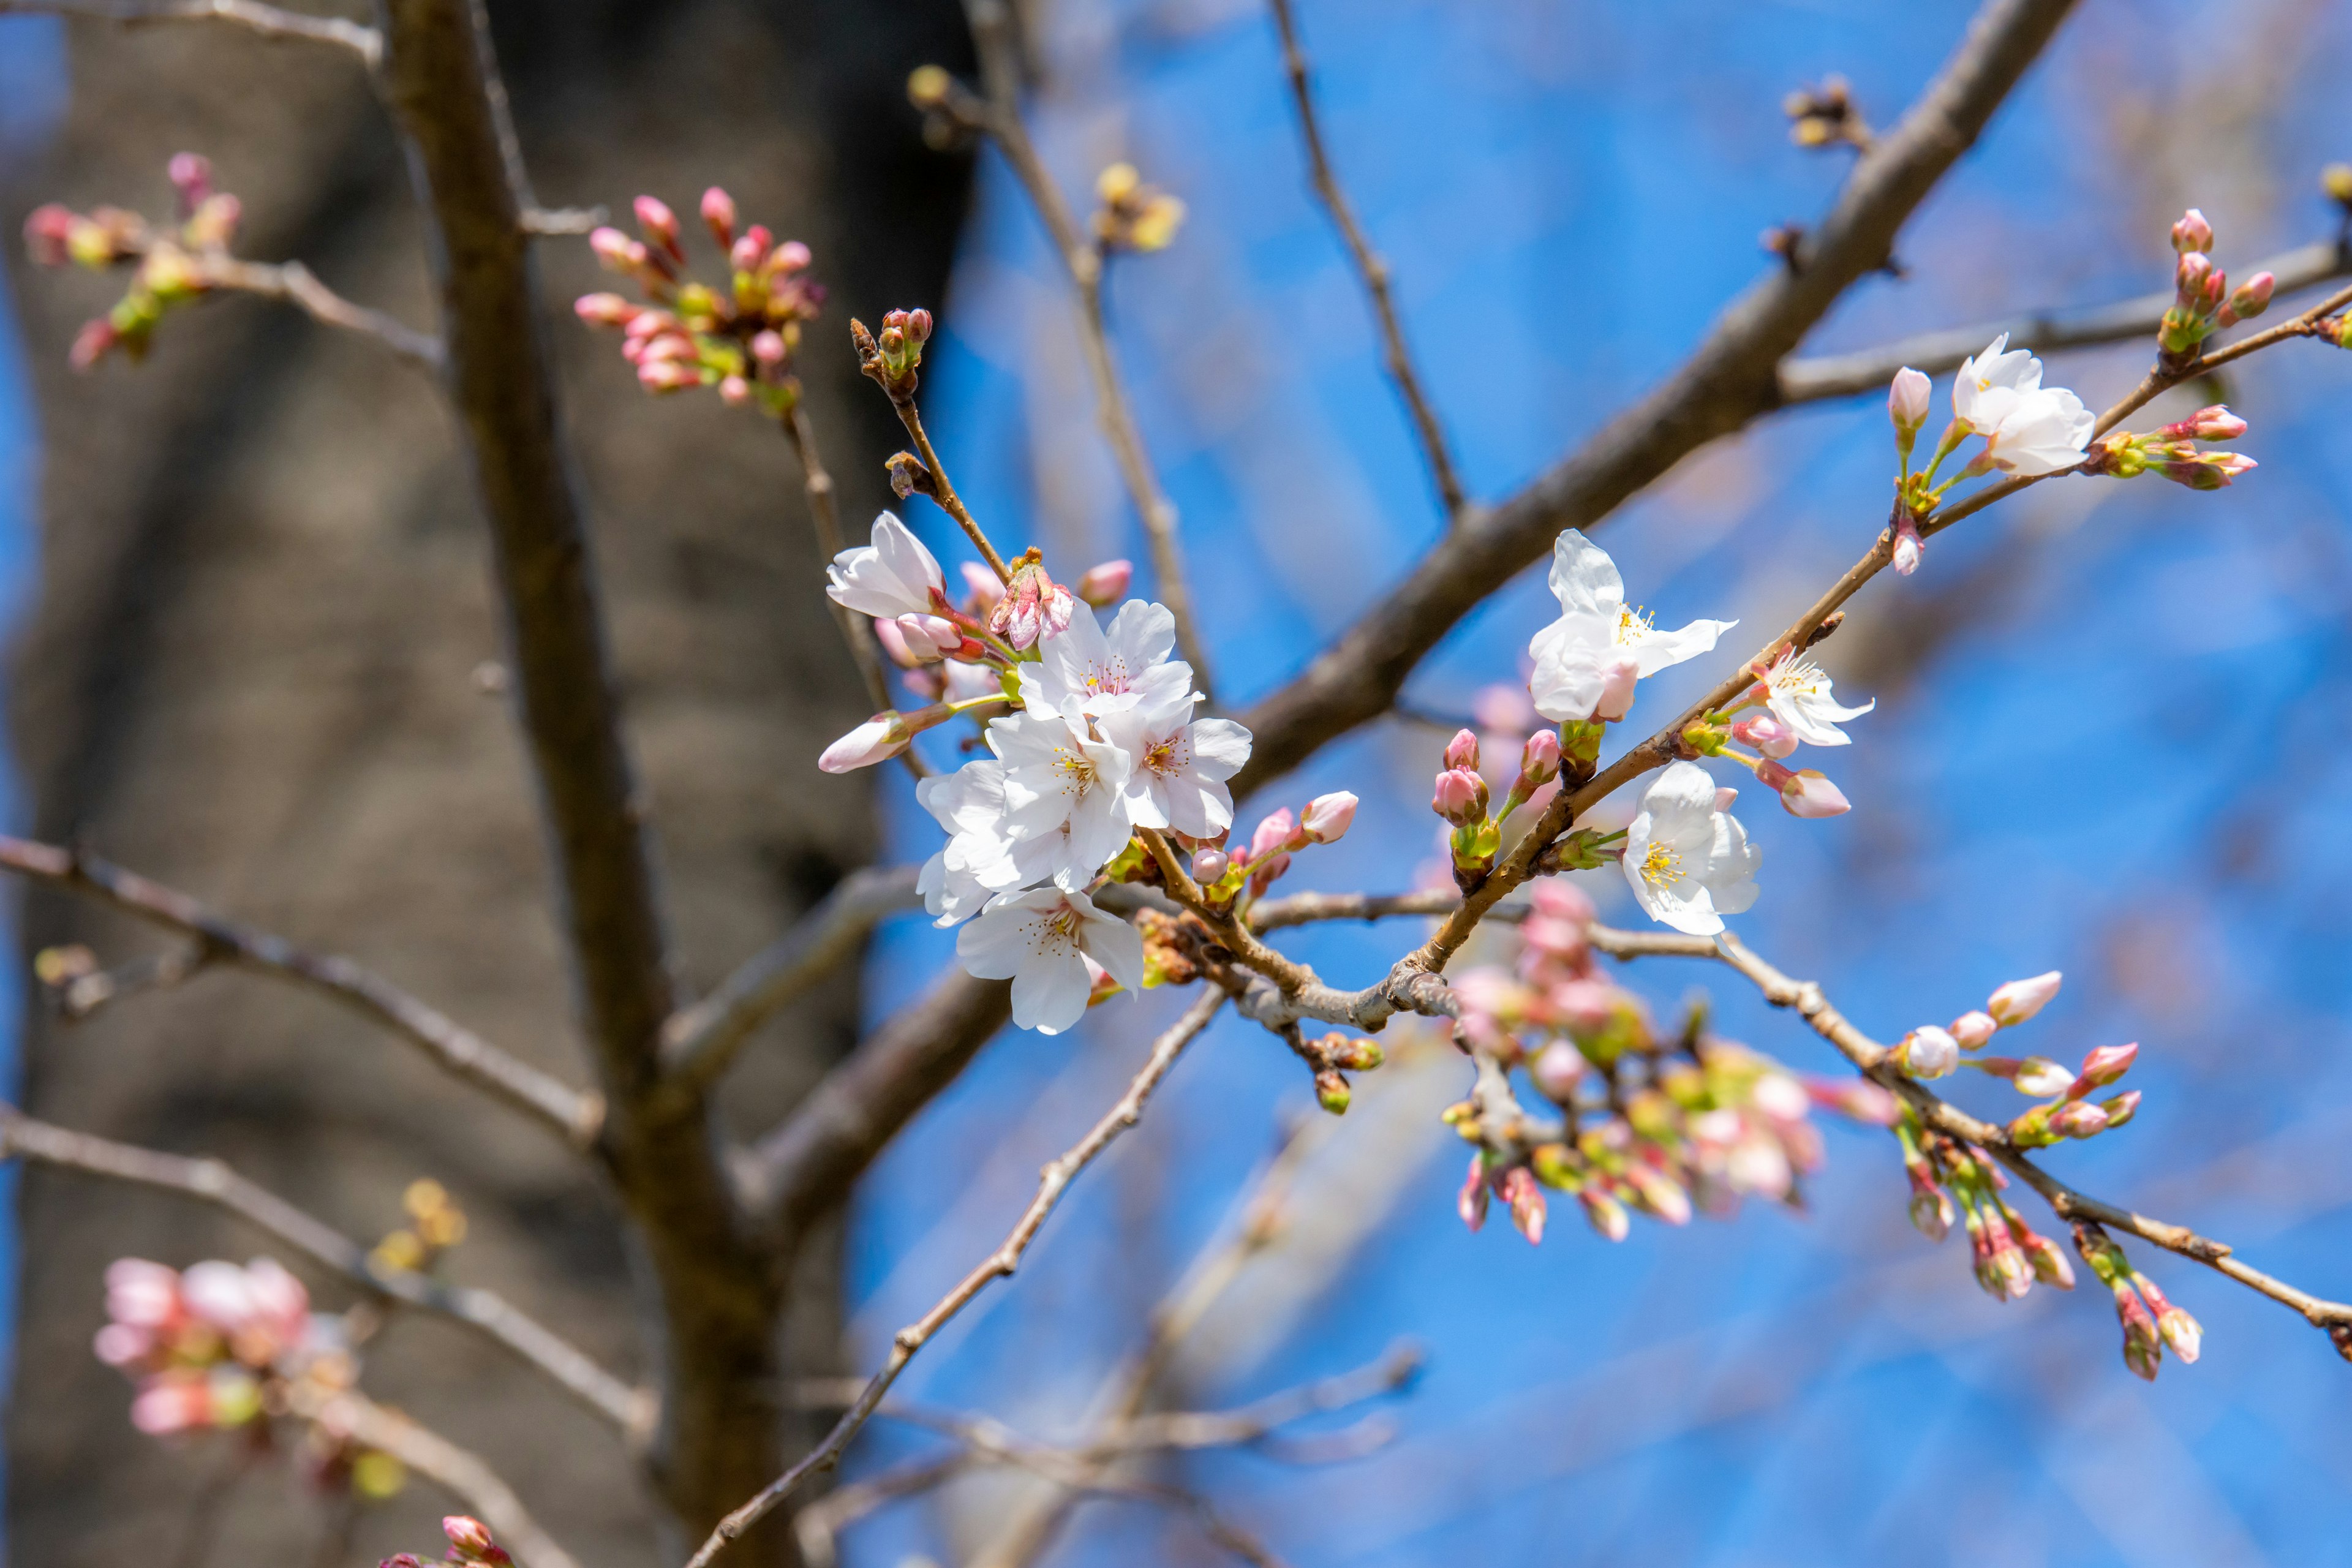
[[1115, 944], [1659, 649], [1050, 993], [1584, 579], [1220, 747], [1567, 688]]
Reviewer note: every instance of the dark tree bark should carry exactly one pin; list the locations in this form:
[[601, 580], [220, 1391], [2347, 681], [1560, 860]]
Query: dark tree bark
[[265, 586]]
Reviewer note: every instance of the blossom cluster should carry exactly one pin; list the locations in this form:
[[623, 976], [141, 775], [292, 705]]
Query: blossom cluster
[[738, 337], [1947, 1175], [175, 265], [2203, 301], [201, 1345], [1664, 1124], [2150, 1322], [470, 1546]]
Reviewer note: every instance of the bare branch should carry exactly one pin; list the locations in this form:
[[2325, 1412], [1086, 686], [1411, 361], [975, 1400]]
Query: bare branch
[[265, 21], [807, 1166], [572, 1114], [1371, 269], [352, 1415], [551, 222], [816, 483], [295, 284], [1053, 1183], [1822, 376], [999, 62], [700, 1041], [213, 1182], [1728, 380]]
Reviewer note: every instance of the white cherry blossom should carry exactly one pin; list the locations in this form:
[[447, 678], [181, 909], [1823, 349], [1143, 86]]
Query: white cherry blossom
[[1688, 861], [2029, 428], [1587, 661], [1041, 939], [1798, 696], [1088, 668], [1179, 764], [893, 576], [1058, 777]]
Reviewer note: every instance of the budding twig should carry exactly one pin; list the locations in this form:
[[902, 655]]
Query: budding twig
[[1053, 1183], [1371, 268], [266, 21], [296, 285], [574, 1115], [213, 1182]]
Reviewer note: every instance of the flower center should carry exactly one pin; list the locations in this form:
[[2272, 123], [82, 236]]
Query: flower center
[[1634, 623], [1660, 866], [1077, 767], [1108, 679], [1801, 676], [1161, 756]]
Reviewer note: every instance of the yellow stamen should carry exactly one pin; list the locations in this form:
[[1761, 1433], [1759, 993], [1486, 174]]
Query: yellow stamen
[[1662, 865]]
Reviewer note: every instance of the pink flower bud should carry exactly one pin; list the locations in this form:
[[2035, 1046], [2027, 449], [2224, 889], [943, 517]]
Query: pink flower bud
[[2253, 297], [1326, 816], [1104, 585], [2104, 1066], [1264, 872], [1605, 1214], [1472, 1204], [1539, 760], [2190, 278], [1808, 794], [744, 255], [2205, 470], [1557, 1068], [877, 740], [2192, 232], [192, 177], [2021, 999], [1972, 1029], [2121, 1108], [921, 637], [1526, 1201], [1460, 797], [1928, 1052], [719, 215], [616, 250], [2078, 1119], [658, 225], [768, 348], [470, 1539], [1462, 751], [1272, 835], [47, 229], [2143, 1349], [1931, 1213], [1908, 546], [2213, 423], [91, 343], [664, 375], [894, 643], [2182, 1332], [1562, 900], [1621, 671], [171, 1405], [1210, 866], [1858, 1099], [2050, 1265], [2041, 1077], [605, 309], [734, 391], [1907, 402], [1766, 733]]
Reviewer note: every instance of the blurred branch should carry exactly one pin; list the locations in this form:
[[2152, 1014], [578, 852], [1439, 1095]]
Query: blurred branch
[[1053, 1183], [1369, 269], [1729, 380], [700, 1041], [213, 1182], [294, 284], [824, 511], [995, 35], [352, 1415], [1820, 376], [265, 21], [572, 1115]]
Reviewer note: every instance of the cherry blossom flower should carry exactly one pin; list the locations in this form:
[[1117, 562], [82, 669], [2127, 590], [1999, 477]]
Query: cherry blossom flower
[[1091, 669], [2028, 429], [1798, 695], [960, 879], [1179, 764], [1689, 862], [1058, 776], [1041, 939], [1587, 661], [893, 576]]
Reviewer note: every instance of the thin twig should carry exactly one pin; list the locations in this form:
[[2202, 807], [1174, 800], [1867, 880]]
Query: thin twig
[[824, 511], [1000, 63], [1818, 377], [700, 1041], [351, 1415], [295, 284], [213, 1182], [548, 223], [572, 1114], [1371, 269], [1000, 1264], [266, 21]]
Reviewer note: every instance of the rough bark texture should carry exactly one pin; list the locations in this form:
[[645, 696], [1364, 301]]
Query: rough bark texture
[[265, 586]]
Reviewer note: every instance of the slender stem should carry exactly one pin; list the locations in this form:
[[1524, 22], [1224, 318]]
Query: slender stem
[[295, 284], [1371, 269], [945, 493], [1000, 1264], [824, 511]]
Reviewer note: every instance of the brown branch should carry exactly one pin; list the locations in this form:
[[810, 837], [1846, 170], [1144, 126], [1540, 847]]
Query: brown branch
[[1371, 269], [805, 1167], [294, 284], [1001, 73], [572, 1114], [1809, 1002], [1728, 380], [351, 1415], [1000, 1264], [213, 1182], [1819, 376], [700, 1041], [265, 21]]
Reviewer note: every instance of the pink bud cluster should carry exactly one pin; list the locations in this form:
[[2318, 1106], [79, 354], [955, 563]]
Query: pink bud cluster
[[470, 1546], [1662, 1124], [1930, 1052], [2071, 1114], [2203, 301], [1803, 792], [2171, 452], [1463, 798], [201, 1345], [739, 338], [2009, 1256], [175, 266], [1223, 872], [2151, 1323]]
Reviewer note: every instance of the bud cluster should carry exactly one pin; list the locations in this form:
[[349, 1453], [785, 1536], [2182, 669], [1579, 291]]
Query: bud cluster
[[1463, 800], [2009, 1254], [1134, 216], [470, 1546], [436, 1224], [1825, 116], [175, 266], [1797, 706], [2071, 1114], [1664, 1124], [891, 361], [1226, 874], [740, 337], [2172, 451], [2203, 301], [1930, 1052], [2150, 1321]]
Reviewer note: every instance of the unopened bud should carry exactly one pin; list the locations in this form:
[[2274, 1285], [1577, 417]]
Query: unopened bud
[[470, 1539], [894, 643], [2192, 233], [2022, 999], [1526, 1201], [1766, 735], [2078, 1119], [2191, 279], [1273, 835], [1460, 797], [719, 216], [2037, 1076], [1104, 585], [1539, 760], [2104, 1066], [1462, 751], [1326, 816], [769, 347], [1620, 672], [1472, 1203], [658, 224], [734, 391], [2049, 1260], [1973, 1028], [2213, 423], [1931, 1213], [605, 309], [1906, 406], [1605, 1214], [616, 250], [1331, 1092], [1210, 866], [1928, 1052], [2121, 1109], [1908, 546], [2253, 297], [1810, 794], [2182, 1333], [1557, 1068], [48, 232]]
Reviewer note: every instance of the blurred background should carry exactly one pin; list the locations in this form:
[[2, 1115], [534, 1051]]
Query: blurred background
[[2103, 745]]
